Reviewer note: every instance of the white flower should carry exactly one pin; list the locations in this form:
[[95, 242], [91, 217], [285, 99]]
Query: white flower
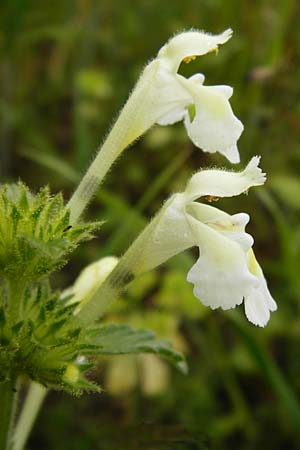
[[226, 272], [163, 96]]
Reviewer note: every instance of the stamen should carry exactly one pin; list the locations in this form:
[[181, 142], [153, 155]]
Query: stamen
[[188, 59], [211, 198]]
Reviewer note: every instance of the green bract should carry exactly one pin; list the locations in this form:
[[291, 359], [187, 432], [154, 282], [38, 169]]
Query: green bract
[[35, 236], [40, 345]]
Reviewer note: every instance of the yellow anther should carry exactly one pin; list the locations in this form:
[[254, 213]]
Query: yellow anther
[[211, 198], [188, 59]]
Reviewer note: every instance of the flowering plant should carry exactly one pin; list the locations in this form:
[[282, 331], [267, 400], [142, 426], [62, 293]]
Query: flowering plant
[[52, 337]]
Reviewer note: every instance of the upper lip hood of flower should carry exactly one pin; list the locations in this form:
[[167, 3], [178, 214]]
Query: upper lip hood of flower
[[189, 44], [222, 183]]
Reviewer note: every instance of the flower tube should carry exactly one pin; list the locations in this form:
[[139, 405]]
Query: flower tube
[[163, 96]]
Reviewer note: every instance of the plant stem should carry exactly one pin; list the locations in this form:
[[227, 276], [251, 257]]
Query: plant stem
[[7, 410], [36, 395]]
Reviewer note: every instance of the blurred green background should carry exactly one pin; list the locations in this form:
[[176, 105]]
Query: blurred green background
[[66, 70]]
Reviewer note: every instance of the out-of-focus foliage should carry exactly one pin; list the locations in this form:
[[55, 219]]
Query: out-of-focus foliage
[[66, 69]]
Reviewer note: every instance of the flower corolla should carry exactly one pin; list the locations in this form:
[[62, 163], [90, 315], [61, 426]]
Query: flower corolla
[[164, 96], [226, 272]]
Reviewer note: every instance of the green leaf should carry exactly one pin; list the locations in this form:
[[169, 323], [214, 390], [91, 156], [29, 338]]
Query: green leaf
[[118, 339]]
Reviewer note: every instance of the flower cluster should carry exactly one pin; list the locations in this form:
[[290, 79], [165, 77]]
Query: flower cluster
[[50, 336], [45, 334], [226, 273]]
